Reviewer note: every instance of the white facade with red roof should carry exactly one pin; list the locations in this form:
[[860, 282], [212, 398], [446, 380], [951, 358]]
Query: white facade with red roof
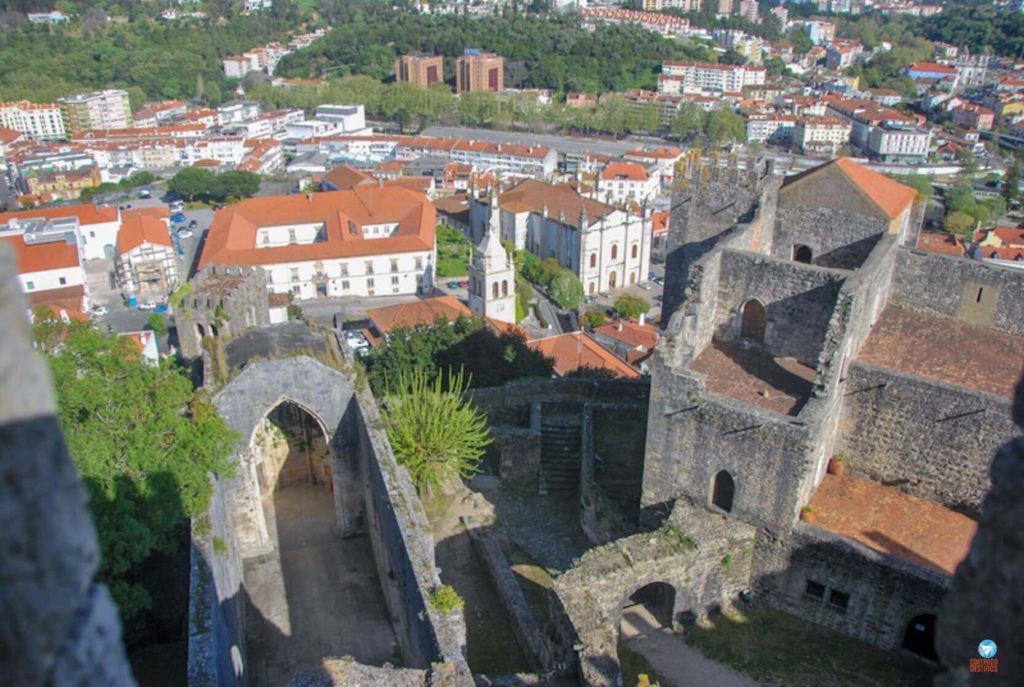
[[620, 183], [95, 226], [49, 261], [146, 260]]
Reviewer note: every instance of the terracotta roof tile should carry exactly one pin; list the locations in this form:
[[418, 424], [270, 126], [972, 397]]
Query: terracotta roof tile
[[85, 212], [575, 350], [891, 197], [39, 257], [417, 313], [631, 333], [947, 244], [69, 299], [560, 199], [139, 227]]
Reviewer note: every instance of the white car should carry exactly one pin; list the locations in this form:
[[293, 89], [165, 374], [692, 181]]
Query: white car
[[356, 340], [98, 310], [184, 233], [147, 305]]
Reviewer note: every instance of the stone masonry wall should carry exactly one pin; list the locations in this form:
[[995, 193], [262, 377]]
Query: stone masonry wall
[[243, 306], [932, 440], [837, 238], [798, 299], [949, 287], [692, 435], [885, 592]]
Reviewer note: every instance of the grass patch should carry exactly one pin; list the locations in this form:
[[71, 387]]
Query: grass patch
[[452, 252], [634, 665], [779, 649]]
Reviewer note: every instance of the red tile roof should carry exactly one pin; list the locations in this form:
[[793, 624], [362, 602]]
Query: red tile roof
[[933, 67], [891, 197], [576, 349], [70, 300], [630, 171], [947, 244], [887, 520], [139, 227], [631, 333], [232, 235], [85, 212], [40, 257], [417, 313]]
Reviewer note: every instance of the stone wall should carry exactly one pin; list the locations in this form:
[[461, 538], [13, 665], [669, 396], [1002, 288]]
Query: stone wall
[[885, 592], [704, 556], [968, 290], [798, 300], [930, 439], [60, 627], [518, 455], [239, 291], [837, 238], [693, 435]]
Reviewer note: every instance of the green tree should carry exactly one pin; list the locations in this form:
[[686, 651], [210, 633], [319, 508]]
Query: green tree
[[234, 184], [918, 182], [434, 429], [1011, 182], [566, 290], [592, 319], [689, 123], [192, 182], [960, 223], [725, 126], [145, 444], [158, 324], [629, 305]]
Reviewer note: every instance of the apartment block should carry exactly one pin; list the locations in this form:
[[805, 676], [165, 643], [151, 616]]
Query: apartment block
[[43, 121], [108, 109], [419, 70], [479, 71], [689, 77], [820, 135]]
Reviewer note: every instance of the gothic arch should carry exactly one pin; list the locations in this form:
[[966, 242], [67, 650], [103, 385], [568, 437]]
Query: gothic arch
[[723, 491]]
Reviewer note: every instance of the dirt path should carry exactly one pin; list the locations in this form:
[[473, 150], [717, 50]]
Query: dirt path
[[668, 654]]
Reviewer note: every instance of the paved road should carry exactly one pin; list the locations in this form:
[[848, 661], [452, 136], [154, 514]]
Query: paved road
[[563, 144]]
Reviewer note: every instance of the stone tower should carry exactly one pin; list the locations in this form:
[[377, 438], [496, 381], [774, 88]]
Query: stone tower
[[492, 276]]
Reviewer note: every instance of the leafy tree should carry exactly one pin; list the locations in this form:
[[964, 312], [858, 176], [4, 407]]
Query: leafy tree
[[434, 430], [192, 182], [565, 289], [592, 319], [158, 324], [725, 126], [689, 122], [1011, 182], [234, 184], [144, 442], [919, 182], [960, 223], [629, 305]]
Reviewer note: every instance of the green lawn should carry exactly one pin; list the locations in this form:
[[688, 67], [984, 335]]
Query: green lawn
[[452, 253], [779, 649]]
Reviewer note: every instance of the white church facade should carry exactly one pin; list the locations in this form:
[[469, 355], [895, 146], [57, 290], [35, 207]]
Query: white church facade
[[492, 278]]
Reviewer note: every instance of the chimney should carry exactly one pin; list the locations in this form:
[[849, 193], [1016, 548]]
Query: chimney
[[618, 326], [642, 319], [309, 197]]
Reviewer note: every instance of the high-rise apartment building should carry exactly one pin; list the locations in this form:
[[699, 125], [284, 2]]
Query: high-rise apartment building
[[43, 121], [419, 70], [109, 109], [479, 71]]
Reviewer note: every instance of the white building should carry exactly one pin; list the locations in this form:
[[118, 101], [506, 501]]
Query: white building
[[367, 241], [627, 182], [896, 143], [771, 128], [606, 247], [692, 77], [49, 263], [269, 124], [237, 111], [492, 276], [109, 109], [95, 227], [823, 135], [43, 121], [665, 158], [331, 120], [146, 260]]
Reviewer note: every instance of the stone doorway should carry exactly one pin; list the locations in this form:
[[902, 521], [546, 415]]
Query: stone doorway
[[315, 594], [754, 322], [919, 637], [651, 606]]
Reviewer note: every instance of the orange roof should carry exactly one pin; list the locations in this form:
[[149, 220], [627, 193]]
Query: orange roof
[[659, 223], [69, 299], [630, 171], [932, 67], [138, 228], [86, 214], [345, 177], [891, 197], [9, 135], [947, 244], [669, 153], [887, 520], [630, 333], [232, 236], [560, 200], [140, 338], [417, 313], [40, 257], [576, 349]]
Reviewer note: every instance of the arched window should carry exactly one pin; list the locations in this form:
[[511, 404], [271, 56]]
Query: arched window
[[635, 251], [754, 323], [593, 260], [504, 287], [722, 491], [920, 637], [615, 251], [802, 253], [592, 288], [611, 280], [494, 289]]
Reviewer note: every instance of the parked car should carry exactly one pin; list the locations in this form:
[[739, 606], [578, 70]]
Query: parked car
[[184, 233], [160, 308], [177, 217], [193, 224], [646, 285], [452, 285], [463, 283], [98, 310], [660, 281], [145, 193], [356, 340], [147, 305]]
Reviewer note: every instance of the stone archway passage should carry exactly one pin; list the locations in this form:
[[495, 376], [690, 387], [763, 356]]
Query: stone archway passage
[[657, 599], [919, 637], [802, 253], [754, 321], [723, 489]]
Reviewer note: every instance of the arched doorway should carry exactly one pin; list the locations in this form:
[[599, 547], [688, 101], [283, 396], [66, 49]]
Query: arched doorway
[[611, 280], [647, 610], [723, 489], [291, 449], [753, 322], [802, 253], [919, 637]]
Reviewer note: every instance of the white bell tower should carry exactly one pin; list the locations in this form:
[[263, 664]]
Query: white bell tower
[[492, 276]]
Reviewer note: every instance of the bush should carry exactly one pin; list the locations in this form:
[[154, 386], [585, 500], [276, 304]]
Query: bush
[[960, 223], [445, 599], [593, 319], [158, 324], [565, 289], [629, 305]]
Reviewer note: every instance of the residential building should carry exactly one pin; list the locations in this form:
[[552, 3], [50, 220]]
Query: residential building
[[578, 350], [681, 5], [42, 121], [725, 8], [145, 341], [771, 128], [419, 70], [667, 25], [748, 9], [664, 158], [94, 226], [843, 53], [110, 109], [8, 139], [971, 116], [931, 70], [237, 112], [155, 114], [146, 261], [49, 261], [53, 17], [479, 71], [361, 242], [492, 275], [821, 136], [604, 246], [620, 183], [522, 160], [689, 77], [885, 96], [63, 185], [1001, 246], [882, 132], [820, 32], [633, 341]]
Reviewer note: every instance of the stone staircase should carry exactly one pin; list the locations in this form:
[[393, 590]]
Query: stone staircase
[[560, 448]]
